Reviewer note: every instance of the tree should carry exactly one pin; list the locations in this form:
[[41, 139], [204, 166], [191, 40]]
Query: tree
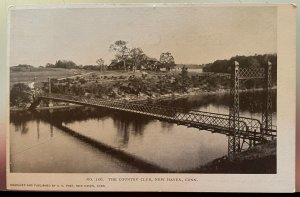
[[253, 62], [137, 56], [256, 61], [183, 81], [100, 63], [121, 51], [65, 64], [49, 65], [184, 72], [20, 94], [167, 60]]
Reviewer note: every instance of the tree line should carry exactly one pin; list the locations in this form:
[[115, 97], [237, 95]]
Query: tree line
[[255, 61], [125, 58]]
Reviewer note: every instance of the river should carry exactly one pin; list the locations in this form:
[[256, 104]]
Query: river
[[39, 146]]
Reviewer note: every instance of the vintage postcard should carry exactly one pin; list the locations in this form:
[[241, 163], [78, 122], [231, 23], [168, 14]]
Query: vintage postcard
[[152, 97]]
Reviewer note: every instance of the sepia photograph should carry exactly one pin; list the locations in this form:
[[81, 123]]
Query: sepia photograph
[[143, 89], [151, 97]]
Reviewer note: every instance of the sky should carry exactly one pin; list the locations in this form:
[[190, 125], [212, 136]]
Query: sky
[[193, 35]]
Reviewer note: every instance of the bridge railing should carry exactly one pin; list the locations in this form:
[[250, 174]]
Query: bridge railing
[[252, 123], [210, 119], [193, 118]]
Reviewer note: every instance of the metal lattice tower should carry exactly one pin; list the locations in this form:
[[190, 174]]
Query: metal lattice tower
[[237, 74], [234, 112], [267, 108]]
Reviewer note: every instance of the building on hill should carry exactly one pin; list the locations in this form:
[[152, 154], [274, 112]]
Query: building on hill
[[116, 66], [150, 64]]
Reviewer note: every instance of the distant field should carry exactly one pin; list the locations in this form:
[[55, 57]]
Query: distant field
[[42, 75]]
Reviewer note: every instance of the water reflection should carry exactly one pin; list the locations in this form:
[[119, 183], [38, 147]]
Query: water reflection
[[249, 101], [130, 122], [166, 126], [51, 130], [20, 119], [38, 128], [123, 132]]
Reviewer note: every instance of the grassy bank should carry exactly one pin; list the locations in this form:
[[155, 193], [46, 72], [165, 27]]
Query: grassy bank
[[260, 159], [42, 74]]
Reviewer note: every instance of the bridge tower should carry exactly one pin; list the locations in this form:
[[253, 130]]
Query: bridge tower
[[237, 74], [234, 111], [267, 110]]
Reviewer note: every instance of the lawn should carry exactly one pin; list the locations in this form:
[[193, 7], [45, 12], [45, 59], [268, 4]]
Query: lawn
[[40, 75]]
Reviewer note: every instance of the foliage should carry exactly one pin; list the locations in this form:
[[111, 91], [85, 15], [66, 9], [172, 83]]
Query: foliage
[[145, 85], [20, 94], [21, 67], [49, 65], [256, 61], [62, 64], [121, 51], [115, 65], [100, 62], [223, 66], [137, 57], [183, 81], [167, 60]]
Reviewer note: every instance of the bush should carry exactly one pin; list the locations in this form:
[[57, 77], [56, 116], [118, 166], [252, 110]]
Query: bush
[[20, 94]]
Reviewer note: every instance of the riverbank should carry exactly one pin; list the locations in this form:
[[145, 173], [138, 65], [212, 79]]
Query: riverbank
[[260, 159], [190, 93], [143, 98], [46, 108]]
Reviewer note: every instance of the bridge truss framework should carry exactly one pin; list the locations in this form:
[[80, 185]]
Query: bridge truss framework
[[235, 142]]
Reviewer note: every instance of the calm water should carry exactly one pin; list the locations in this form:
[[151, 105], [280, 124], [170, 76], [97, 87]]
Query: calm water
[[37, 146]]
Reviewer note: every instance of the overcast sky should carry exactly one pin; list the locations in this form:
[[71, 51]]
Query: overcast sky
[[194, 35]]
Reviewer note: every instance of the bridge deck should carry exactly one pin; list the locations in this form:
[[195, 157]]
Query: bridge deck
[[249, 128]]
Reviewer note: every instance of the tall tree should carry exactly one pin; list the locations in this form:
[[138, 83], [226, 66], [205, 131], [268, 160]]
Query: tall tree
[[121, 51], [137, 56], [65, 64], [100, 63], [167, 60]]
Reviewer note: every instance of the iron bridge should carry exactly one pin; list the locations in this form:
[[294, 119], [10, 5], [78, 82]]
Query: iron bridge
[[249, 129]]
